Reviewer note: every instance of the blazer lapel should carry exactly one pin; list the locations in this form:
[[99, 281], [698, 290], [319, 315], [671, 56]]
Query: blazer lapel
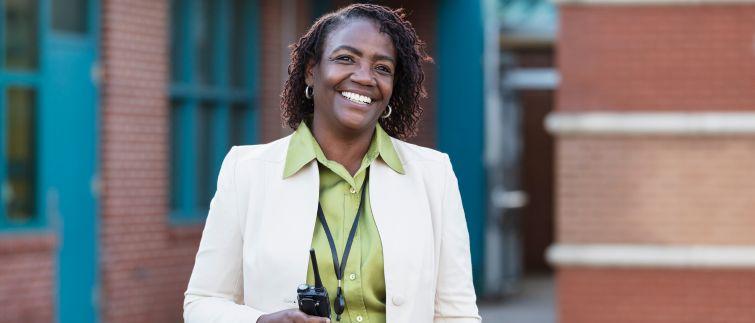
[[288, 226], [402, 215]]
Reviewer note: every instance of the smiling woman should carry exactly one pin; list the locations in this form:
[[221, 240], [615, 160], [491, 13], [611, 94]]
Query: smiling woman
[[388, 212], [352, 83]]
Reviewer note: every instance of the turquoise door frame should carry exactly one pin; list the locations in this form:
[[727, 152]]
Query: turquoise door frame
[[69, 158], [460, 127]]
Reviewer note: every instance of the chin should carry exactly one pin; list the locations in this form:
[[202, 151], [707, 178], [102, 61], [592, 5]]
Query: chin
[[355, 123]]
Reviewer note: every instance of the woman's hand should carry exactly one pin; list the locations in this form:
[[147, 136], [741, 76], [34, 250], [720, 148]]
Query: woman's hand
[[291, 316]]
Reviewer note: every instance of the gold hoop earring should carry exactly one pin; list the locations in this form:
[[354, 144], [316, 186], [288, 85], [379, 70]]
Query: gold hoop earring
[[389, 112], [309, 92]]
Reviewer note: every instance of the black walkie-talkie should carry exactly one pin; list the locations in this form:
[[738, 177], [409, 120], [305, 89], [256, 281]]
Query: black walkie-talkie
[[313, 300]]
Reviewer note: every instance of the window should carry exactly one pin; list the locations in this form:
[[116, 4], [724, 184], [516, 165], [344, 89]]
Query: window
[[20, 41], [212, 92], [70, 15], [19, 81]]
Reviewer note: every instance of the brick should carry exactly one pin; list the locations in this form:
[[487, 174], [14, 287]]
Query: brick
[[657, 190], [655, 296], [26, 279], [656, 57]]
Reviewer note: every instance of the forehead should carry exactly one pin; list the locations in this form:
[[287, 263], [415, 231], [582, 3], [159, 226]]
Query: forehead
[[362, 34]]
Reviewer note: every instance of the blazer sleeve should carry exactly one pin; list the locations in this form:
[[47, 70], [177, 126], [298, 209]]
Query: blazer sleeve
[[215, 290], [455, 299]]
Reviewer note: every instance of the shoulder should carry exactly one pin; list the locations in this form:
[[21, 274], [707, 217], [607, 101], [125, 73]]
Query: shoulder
[[248, 160], [274, 151], [435, 166], [253, 161], [411, 153]]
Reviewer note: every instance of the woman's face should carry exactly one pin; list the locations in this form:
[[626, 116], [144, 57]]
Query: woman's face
[[353, 81]]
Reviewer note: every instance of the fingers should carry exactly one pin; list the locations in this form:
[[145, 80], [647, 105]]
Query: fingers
[[315, 319], [299, 317]]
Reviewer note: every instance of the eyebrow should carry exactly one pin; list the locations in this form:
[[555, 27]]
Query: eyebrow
[[377, 57]]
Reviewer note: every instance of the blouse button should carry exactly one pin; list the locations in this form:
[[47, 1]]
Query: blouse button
[[353, 190], [353, 276], [359, 318]]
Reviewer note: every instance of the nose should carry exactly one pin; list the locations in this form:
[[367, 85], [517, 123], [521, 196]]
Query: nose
[[363, 75]]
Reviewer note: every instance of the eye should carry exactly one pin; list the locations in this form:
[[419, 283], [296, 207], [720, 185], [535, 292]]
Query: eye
[[384, 69], [344, 58]]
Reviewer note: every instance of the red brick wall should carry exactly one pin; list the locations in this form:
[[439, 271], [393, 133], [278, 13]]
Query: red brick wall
[[655, 295], [27, 278], [679, 57], [655, 189], [145, 264], [671, 190], [271, 77]]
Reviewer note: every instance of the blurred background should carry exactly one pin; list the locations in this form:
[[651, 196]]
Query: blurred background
[[604, 148]]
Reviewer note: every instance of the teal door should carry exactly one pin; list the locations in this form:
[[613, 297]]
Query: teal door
[[70, 141]]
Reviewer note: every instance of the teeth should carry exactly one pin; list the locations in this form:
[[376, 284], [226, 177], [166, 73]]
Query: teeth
[[358, 98]]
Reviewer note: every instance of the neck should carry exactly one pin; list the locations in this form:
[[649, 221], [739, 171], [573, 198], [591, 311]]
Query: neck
[[346, 149]]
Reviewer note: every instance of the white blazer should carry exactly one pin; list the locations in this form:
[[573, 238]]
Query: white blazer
[[255, 245]]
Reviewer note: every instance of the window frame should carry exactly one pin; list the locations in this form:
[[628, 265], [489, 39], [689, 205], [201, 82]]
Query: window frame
[[30, 79], [188, 95]]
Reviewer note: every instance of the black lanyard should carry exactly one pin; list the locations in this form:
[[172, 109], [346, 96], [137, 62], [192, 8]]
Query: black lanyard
[[340, 303]]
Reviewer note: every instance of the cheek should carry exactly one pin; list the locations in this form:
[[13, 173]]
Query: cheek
[[333, 75], [387, 90], [323, 80]]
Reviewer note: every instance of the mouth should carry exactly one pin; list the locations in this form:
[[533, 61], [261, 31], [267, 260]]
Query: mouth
[[356, 98]]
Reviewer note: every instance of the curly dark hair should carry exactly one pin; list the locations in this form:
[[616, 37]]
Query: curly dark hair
[[409, 76]]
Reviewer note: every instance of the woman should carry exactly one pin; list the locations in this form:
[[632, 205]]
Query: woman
[[396, 250]]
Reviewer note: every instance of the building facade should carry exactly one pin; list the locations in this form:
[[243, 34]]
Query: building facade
[[654, 152]]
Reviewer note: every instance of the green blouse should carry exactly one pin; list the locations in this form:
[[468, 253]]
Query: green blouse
[[364, 279]]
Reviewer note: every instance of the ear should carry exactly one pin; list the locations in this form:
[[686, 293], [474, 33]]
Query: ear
[[309, 72]]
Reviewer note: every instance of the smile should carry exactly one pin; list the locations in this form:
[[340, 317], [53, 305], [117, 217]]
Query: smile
[[356, 98]]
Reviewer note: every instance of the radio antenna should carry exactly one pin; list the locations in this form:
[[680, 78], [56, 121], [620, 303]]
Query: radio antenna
[[318, 282]]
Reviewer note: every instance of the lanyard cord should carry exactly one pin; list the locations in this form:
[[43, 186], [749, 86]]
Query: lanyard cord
[[340, 269]]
